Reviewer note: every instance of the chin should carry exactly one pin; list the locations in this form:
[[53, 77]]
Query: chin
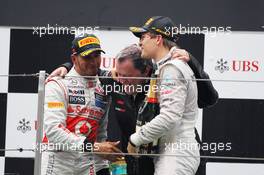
[[144, 56], [91, 73]]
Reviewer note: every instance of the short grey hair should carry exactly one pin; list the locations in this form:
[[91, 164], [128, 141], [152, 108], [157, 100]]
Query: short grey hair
[[133, 52]]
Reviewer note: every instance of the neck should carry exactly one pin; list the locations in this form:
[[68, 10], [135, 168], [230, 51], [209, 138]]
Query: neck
[[161, 53], [77, 70]]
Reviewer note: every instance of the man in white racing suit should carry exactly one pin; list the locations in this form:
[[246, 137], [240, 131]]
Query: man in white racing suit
[[174, 126], [75, 119]]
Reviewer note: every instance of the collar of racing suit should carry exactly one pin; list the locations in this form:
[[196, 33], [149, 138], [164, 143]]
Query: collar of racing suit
[[89, 82], [165, 59]]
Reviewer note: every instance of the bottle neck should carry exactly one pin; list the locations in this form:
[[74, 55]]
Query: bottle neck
[[152, 92]]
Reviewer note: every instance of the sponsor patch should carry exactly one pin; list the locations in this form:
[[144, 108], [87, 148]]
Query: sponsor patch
[[95, 113], [76, 100], [100, 100], [100, 97], [88, 40], [55, 105], [120, 109], [76, 92]]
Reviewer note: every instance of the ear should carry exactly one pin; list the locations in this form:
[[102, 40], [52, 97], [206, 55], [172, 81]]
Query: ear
[[159, 39], [73, 58]]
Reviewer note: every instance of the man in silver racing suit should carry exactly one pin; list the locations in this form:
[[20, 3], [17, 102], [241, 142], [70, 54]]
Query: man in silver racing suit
[[174, 125], [75, 119]]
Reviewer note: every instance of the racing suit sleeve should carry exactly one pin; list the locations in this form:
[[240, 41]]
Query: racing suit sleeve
[[207, 94], [102, 131], [55, 112], [173, 94], [101, 163]]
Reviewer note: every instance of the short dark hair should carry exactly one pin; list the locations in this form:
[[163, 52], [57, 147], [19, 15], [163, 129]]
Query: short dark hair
[[133, 52]]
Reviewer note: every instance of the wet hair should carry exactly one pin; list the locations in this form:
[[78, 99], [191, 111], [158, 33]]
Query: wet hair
[[133, 52]]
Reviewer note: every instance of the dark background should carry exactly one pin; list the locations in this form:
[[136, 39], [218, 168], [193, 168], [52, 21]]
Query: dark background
[[239, 14]]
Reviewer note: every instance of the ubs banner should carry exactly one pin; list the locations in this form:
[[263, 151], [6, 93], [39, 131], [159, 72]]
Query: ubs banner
[[237, 56], [236, 120]]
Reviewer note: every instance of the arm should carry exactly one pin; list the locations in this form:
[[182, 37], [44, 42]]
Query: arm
[[207, 95], [67, 65], [172, 104], [62, 70], [102, 131], [101, 145]]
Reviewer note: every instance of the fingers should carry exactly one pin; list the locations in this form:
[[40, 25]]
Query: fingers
[[114, 143], [61, 71], [180, 54], [116, 150], [110, 147], [50, 76]]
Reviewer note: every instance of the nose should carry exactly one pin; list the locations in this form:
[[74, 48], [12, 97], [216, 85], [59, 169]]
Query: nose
[[92, 61]]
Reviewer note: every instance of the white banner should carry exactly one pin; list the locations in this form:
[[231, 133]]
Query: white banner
[[234, 169], [236, 56], [4, 50], [20, 124]]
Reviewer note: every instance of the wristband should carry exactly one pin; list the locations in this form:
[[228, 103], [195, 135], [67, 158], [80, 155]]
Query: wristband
[[132, 143]]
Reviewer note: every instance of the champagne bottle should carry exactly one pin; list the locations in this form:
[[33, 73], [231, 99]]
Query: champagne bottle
[[147, 112], [119, 167]]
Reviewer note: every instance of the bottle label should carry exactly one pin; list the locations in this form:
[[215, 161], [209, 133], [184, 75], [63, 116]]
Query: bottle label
[[119, 168], [148, 111]]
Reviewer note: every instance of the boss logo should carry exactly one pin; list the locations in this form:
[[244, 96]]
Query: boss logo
[[76, 100]]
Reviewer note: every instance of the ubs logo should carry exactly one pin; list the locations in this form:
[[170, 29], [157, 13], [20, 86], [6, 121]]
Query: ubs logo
[[221, 65], [237, 65], [24, 126]]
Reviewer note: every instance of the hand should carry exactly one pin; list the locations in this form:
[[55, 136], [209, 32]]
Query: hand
[[131, 148], [61, 71], [180, 54], [108, 147]]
